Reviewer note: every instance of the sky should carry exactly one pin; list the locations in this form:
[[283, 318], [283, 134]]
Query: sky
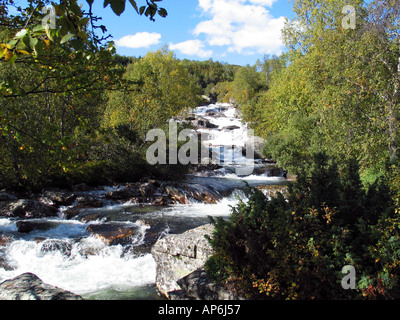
[[232, 31]]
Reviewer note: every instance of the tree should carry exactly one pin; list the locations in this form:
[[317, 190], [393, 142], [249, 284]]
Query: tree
[[342, 83], [295, 248], [161, 88], [38, 25], [55, 71]]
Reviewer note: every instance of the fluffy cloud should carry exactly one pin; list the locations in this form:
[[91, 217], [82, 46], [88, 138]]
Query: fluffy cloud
[[191, 48], [245, 26], [139, 40]]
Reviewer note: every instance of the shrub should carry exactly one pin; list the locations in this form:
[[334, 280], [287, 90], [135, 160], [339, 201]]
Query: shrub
[[295, 248]]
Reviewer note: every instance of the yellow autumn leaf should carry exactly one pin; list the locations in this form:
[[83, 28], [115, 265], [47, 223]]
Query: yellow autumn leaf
[[23, 51], [8, 54]]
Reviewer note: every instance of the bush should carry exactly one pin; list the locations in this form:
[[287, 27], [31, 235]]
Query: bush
[[295, 248]]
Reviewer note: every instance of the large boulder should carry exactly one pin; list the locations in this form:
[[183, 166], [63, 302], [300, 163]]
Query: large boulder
[[25, 226], [178, 255], [28, 286], [198, 286], [26, 208]]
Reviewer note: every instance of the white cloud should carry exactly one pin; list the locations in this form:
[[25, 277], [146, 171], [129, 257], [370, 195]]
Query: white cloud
[[191, 48], [245, 26], [265, 3], [139, 40]]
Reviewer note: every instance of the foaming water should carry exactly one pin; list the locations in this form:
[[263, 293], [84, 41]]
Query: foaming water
[[7, 225], [82, 267]]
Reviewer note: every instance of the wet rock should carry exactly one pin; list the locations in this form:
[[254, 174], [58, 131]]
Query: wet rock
[[71, 213], [28, 286], [26, 226], [81, 187], [147, 189], [113, 233], [94, 216], [177, 255], [204, 123], [83, 202], [26, 208], [125, 193], [88, 201], [5, 240], [4, 196], [198, 286], [60, 198], [62, 246], [175, 194], [160, 200], [201, 193], [233, 127]]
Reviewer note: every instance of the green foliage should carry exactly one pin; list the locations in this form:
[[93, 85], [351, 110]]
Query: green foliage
[[72, 110], [159, 88], [37, 26], [335, 90], [209, 74], [295, 248]]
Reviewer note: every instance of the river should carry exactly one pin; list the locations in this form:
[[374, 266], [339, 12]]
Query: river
[[69, 256]]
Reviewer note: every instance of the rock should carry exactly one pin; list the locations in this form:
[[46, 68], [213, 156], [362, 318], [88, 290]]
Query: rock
[[4, 263], [60, 198], [81, 187], [204, 123], [177, 255], [175, 194], [113, 233], [202, 193], [84, 202], [26, 208], [4, 196], [93, 217], [28, 286], [198, 286], [233, 127], [88, 202], [147, 189], [71, 212], [25, 226], [5, 240], [160, 200], [125, 193], [60, 246]]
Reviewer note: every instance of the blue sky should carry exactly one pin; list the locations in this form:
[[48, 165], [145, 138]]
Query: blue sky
[[233, 31]]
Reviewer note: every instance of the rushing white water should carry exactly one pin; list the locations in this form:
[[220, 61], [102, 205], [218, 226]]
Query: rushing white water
[[83, 267], [67, 255]]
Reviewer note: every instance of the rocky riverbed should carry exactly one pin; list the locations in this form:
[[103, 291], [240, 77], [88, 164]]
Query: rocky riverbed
[[131, 240]]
